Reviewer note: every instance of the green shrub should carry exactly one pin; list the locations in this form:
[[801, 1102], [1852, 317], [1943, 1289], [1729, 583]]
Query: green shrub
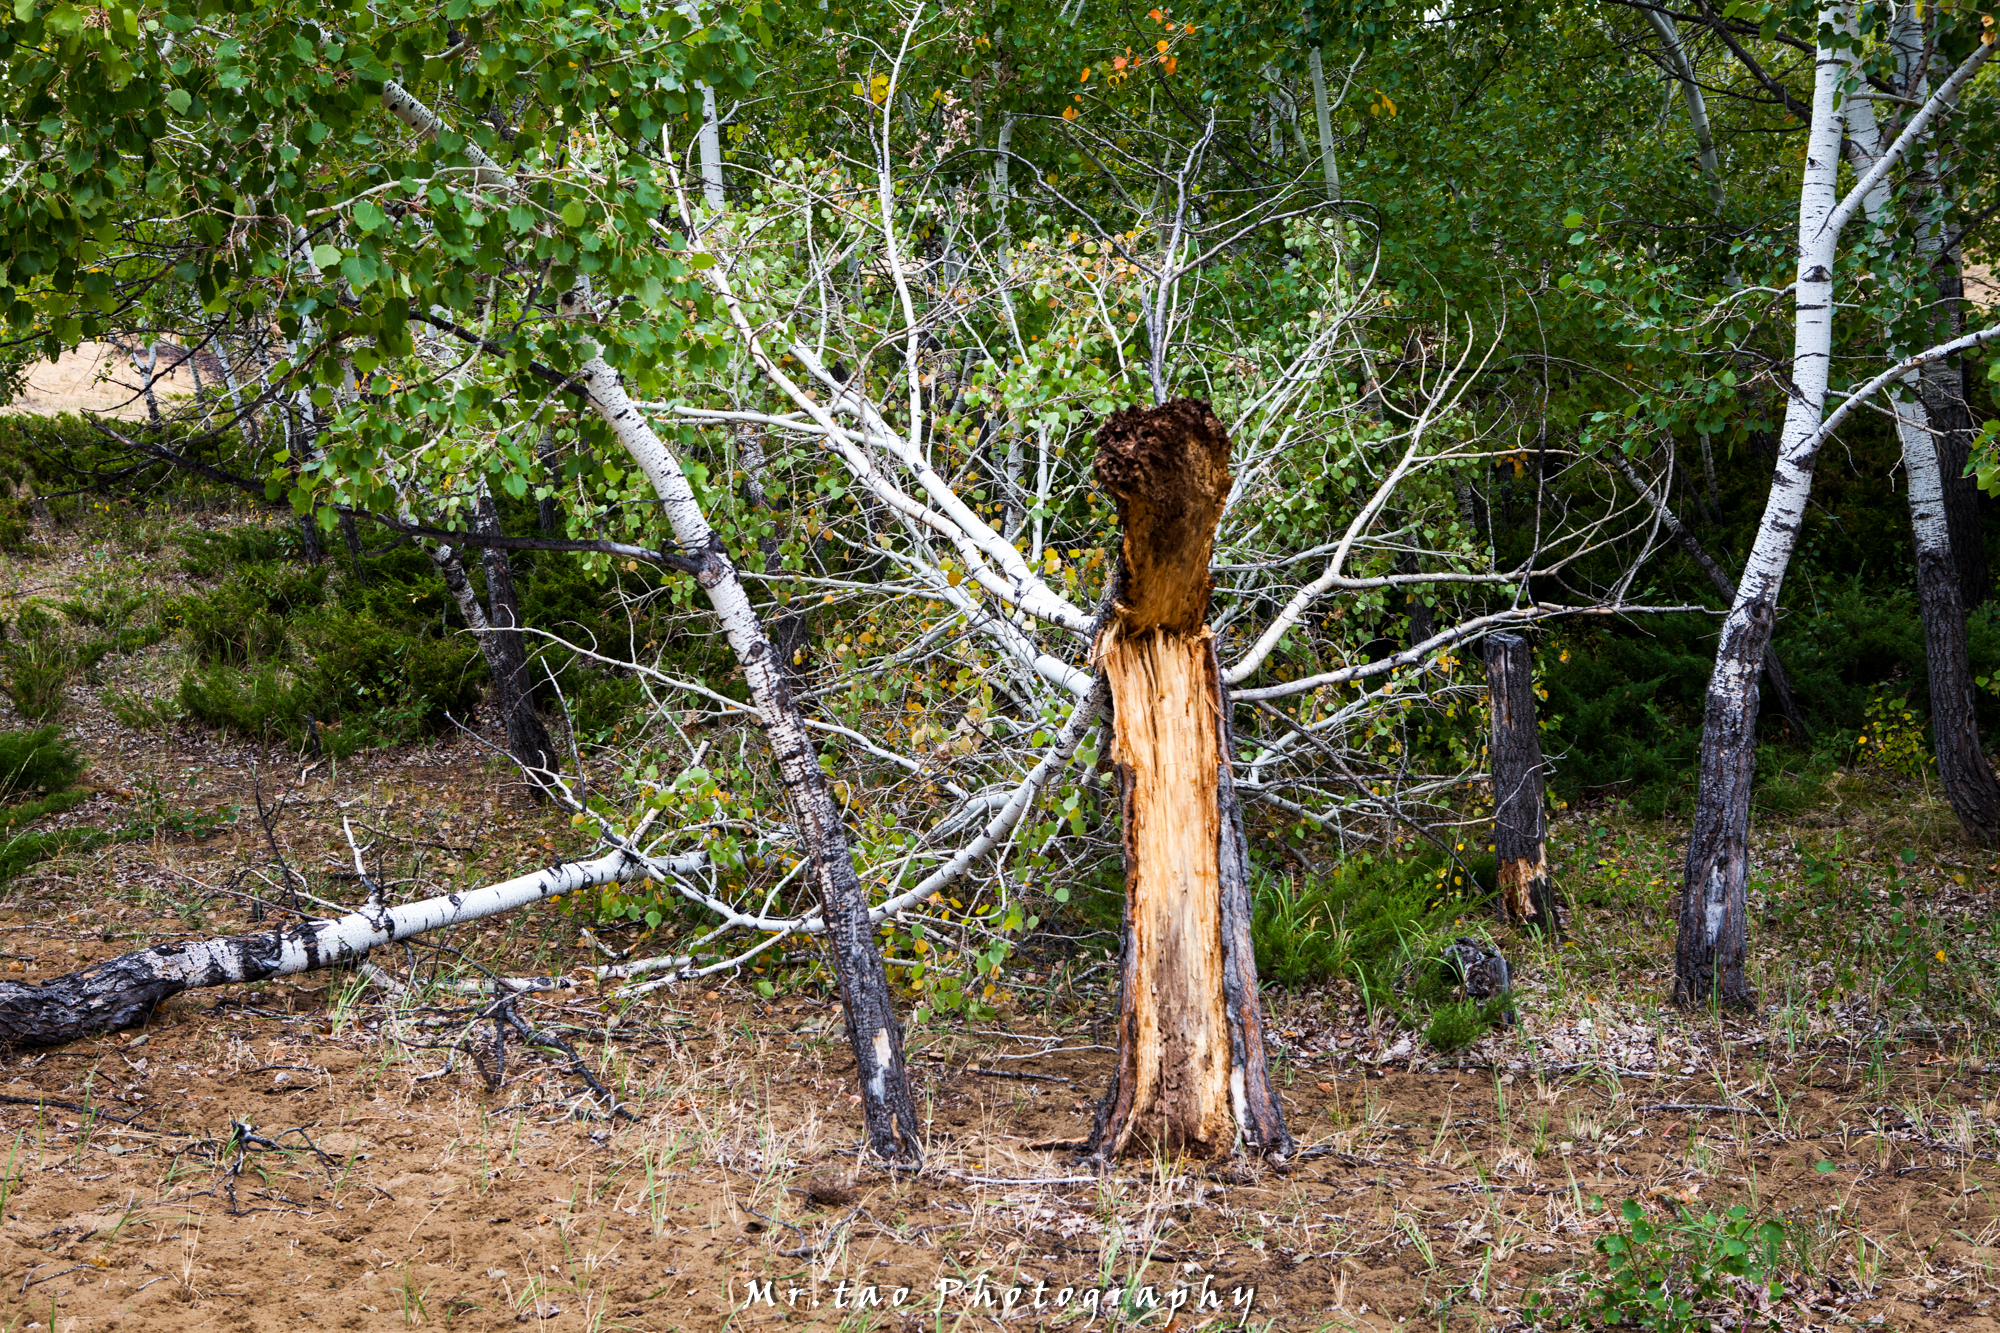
[[38, 761], [211, 554], [1685, 1275], [36, 665], [247, 618]]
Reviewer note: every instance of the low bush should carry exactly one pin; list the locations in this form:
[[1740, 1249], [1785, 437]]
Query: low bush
[[1381, 923], [1686, 1274]]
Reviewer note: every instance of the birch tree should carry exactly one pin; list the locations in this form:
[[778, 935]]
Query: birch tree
[[1712, 944]]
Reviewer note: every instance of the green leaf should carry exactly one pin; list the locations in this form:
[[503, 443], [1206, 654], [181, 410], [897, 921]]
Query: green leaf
[[1573, 220], [1825, 1168], [326, 256], [573, 213], [178, 99]]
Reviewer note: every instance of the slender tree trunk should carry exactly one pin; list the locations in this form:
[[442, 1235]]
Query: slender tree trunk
[[1190, 1076], [514, 687], [711, 151], [1963, 773], [1774, 670], [1323, 121], [527, 740], [1713, 934], [1697, 106], [1520, 811], [873, 1032], [1944, 397], [548, 512], [350, 533]]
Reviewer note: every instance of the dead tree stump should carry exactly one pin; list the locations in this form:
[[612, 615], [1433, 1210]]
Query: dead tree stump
[[1191, 1075], [1520, 820]]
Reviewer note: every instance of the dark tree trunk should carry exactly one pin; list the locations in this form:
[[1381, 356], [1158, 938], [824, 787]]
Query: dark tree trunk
[[1520, 817], [1190, 1075], [548, 513], [309, 546], [790, 627], [513, 682], [351, 534], [1963, 772], [1713, 936], [1945, 389]]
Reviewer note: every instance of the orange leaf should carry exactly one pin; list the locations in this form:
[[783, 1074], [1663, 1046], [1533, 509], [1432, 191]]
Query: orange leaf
[[1170, 62], [1157, 16], [1161, 46], [1086, 75], [1069, 113], [1119, 63]]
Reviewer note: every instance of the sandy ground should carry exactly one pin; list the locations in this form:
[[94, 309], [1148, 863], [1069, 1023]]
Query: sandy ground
[[97, 377], [325, 1152]]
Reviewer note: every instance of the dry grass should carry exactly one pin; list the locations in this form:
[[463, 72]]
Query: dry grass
[[295, 1156]]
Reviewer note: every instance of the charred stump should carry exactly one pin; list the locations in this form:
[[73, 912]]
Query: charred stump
[[1191, 1074], [1520, 820]]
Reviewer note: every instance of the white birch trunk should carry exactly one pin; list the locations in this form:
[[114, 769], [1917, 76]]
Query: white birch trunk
[[122, 991], [1697, 106], [1713, 936], [711, 150], [873, 1030], [1323, 117]]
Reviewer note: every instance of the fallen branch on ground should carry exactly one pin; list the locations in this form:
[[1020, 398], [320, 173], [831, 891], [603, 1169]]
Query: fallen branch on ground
[[121, 992]]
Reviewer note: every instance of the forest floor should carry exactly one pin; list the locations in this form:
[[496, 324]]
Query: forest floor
[[293, 1155]]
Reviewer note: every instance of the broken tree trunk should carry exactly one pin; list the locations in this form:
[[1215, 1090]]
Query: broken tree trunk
[[1191, 1073], [1520, 817], [121, 992]]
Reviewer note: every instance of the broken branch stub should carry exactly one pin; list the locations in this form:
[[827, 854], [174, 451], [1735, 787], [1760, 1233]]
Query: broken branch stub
[[1520, 817], [1191, 1072]]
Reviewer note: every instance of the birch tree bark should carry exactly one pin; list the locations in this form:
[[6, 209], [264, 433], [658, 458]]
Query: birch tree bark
[[1191, 1072], [1697, 105], [873, 1031], [1713, 934], [1963, 772], [121, 992], [1323, 121]]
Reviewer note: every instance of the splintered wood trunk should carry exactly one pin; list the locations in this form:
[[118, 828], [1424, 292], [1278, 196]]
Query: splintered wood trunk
[[1191, 1075], [1520, 817]]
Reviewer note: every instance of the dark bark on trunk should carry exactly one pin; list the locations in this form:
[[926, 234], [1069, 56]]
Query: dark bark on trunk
[[548, 514], [351, 534], [1713, 936], [1520, 816], [1963, 772], [309, 546], [1191, 1074], [1260, 1116], [121, 992], [790, 627], [513, 681], [1945, 390]]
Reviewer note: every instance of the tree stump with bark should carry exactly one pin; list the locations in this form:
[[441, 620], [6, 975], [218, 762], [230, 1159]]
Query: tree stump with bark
[[1520, 816], [1191, 1074]]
